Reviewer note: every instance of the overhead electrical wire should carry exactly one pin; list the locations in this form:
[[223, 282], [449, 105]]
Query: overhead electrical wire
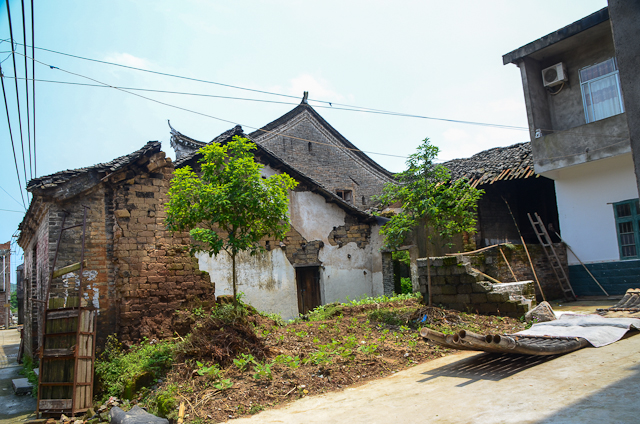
[[26, 88], [14, 199], [201, 113], [11, 136], [330, 104], [15, 71], [33, 89]]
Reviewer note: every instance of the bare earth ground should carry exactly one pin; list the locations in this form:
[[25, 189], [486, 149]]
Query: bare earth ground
[[359, 344]]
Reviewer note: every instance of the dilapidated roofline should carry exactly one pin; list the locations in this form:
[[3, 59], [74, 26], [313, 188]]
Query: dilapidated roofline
[[570, 30], [275, 162], [500, 163]]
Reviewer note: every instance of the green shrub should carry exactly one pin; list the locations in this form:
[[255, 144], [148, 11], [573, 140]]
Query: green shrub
[[243, 361], [386, 317], [118, 370], [406, 287], [27, 370]]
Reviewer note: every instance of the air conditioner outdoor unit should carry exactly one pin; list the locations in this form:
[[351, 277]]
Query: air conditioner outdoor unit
[[554, 75]]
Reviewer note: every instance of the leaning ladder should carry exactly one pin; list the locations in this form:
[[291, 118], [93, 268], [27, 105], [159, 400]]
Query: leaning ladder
[[67, 352], [556, 265]]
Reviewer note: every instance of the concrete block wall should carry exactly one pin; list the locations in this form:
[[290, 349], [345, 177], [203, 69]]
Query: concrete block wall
[[455, 285]]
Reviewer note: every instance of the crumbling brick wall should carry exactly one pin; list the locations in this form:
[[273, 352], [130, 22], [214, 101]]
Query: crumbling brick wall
[[155, 274], [456, 285], [351, 231], [496, 266]]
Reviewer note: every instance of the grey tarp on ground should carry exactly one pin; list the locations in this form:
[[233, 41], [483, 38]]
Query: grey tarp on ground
[[597, 330]]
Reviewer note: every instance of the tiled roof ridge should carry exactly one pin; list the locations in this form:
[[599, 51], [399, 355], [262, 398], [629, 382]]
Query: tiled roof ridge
[[237, 130], [61, 177], [342, 139]]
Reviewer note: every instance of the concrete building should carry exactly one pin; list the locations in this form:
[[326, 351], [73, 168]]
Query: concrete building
[[331, 252], [581, 140]]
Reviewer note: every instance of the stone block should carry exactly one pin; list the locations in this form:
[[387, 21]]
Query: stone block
[[449, 289], [487, 308], [463, 298], [464, 288], [497, 297], [482, 287], [458, 270], [478, 298], [445, 299], [436, 289], [122, 213], [437, 280], [507, 307], [21, 386]]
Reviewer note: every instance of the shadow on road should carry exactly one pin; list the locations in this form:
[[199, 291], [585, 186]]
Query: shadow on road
[[487, 366]]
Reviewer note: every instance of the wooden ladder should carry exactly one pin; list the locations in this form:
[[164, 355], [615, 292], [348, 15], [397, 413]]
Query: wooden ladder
[[67, 352], [556, 265]]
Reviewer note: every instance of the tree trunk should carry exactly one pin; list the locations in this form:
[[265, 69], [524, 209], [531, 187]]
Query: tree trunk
[[429, 274], [235, 279]]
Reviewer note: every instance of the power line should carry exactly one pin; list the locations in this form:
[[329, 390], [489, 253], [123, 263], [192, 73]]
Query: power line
[[15, 71], [283, 103], [11, 195], [33, 89], [9, 210], [204, 114], [26, 87], [330, 104], [6, 106]]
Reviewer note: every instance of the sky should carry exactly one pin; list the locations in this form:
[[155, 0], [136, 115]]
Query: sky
[[429, 58]]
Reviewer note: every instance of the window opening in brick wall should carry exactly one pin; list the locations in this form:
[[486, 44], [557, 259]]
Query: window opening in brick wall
[[627, 215], [600, 86], [309, 146], [346, 195], [364, 201]]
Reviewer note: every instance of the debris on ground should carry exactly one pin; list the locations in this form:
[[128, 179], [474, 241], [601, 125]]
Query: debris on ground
[[541, 313], [228, 369]]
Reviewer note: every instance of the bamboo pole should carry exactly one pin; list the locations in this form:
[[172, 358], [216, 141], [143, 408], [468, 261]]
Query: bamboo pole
[[525, 249], [507, 262], [581, 263], [488, 276]]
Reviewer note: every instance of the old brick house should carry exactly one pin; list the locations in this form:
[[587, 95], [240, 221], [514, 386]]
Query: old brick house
[[331, 252], [136, 274], [308, 143]]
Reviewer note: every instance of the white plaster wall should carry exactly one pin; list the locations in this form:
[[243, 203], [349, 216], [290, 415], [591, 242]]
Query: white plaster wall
[[267, 279], [584, 194], [313, 217]]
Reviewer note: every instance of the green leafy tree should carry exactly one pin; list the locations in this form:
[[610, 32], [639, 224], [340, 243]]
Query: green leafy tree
[[430, 200], [229, 207]]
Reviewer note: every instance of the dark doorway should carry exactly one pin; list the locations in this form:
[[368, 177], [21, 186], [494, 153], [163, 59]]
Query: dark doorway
[[308, 282]]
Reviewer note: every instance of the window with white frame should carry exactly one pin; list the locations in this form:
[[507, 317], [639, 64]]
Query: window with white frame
[[600, 86], [627, 215]]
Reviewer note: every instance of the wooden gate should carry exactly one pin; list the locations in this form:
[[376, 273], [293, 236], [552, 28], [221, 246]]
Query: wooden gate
[[67, 350]]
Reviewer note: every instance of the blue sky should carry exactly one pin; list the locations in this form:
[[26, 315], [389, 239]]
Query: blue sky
[[436, 59]]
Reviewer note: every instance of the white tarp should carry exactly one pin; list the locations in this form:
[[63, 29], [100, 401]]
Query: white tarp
[[599, 331]]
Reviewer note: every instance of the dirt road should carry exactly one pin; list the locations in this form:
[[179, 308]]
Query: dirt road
[[587, 386]]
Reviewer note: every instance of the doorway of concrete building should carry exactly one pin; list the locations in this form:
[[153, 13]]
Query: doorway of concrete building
[[402, 272], [308, 282]]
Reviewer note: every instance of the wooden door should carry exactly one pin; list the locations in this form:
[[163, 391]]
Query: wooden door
[[308, 282]]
